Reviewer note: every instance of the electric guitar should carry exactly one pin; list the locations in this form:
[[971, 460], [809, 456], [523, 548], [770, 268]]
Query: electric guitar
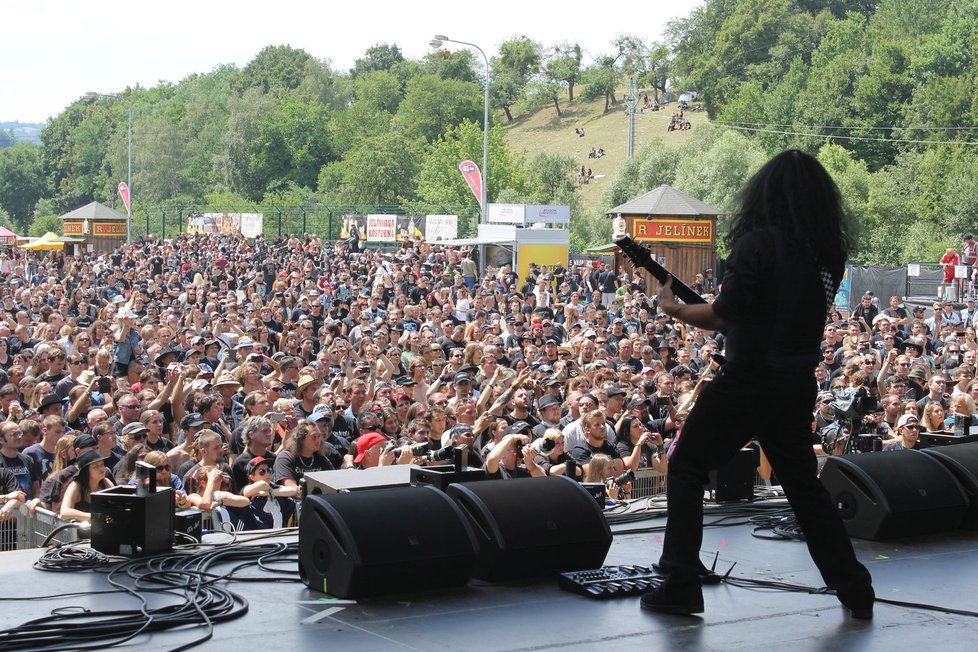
[[642, 257]]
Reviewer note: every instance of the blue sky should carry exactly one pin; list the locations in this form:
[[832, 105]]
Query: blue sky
[[53, 52]]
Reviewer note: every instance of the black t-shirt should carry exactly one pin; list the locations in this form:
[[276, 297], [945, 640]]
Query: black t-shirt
[[24, 470], [584, 451], [775, 306], [292, 467]]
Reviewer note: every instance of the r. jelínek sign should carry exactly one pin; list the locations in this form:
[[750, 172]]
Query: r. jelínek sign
[[666, 230]]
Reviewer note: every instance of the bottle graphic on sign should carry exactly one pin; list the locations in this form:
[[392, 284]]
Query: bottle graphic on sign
[[618, 228]]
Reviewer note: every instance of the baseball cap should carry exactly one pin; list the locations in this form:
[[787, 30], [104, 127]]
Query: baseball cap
[[365, 443], [908, 419]]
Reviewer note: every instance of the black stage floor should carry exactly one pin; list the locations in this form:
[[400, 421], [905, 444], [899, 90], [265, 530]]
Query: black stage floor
[[536, 615]]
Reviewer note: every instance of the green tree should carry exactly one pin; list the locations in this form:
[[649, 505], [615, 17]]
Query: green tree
[[45, 223], [276, 67], [518, 60], [563, 65], [458, 64], [381, 89], [382, 56], [292, 144], [433, 105], [552, 179], [361, 121], [380, 171], [440, 183], [22, 182], [602, 79], [233, 163]]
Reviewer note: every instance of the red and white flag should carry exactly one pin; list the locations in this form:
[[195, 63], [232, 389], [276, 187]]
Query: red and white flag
[[472, 176], [124, 193]]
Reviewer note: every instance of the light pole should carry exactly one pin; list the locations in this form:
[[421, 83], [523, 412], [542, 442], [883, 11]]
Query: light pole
[[436, 43], [92, 95]]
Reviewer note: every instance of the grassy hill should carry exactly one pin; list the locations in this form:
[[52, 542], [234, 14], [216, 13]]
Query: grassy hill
[[543, 131]]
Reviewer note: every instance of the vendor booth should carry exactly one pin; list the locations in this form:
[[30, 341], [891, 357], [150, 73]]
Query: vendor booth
[[98, 227], [679, 230]]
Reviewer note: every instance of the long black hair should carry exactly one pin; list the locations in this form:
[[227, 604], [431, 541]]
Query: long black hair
[[795, 194]]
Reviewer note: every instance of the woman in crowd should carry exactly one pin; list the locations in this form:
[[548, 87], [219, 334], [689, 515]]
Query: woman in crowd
[[932, 419], [77, 502], [638, 447]]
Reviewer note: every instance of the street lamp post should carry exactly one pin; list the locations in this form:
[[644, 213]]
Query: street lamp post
[[436, 43], [92, 95]]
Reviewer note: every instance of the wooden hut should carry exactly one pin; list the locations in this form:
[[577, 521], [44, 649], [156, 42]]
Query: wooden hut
[[679, 230], [102, 228]]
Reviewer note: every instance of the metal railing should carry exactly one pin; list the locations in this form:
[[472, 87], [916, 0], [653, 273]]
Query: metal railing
[[30, 530]]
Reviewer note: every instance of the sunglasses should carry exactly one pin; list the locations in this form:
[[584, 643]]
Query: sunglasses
[[261, 470]]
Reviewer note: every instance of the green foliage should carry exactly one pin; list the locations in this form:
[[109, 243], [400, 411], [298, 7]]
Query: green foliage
[[563, 65], [382, 56], [275, 68], [601, 80], [439, 181], [22, 182], [379, 89], [381, 170], [7, 138], [44, 223], [433, 105]]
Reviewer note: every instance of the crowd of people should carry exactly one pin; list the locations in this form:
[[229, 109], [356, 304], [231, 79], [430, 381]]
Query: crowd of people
[[236, 366]]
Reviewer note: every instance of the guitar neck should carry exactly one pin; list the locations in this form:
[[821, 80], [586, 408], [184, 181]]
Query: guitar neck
[[641, 257]]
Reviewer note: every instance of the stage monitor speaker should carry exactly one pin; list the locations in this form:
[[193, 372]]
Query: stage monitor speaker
[[533, 526], [895, 494], [962, 461], [381, 541], [735, 479], [126, 523]]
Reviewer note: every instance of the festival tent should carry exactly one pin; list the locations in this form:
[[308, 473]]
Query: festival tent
[[50, 242], [7, 237]]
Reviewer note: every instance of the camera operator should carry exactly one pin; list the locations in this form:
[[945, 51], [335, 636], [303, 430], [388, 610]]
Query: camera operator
[[550, 453], [507, 460], [462, 434], [908, 429]]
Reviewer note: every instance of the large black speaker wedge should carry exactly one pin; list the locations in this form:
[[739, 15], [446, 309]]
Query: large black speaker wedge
[[962, 461], [382, 541], [533, 526], [895, 494]]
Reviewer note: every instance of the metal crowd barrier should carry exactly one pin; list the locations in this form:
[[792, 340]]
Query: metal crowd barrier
[[648, 482], [30, 530]]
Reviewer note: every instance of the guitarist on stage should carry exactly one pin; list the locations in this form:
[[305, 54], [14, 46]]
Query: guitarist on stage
[[788, 246]]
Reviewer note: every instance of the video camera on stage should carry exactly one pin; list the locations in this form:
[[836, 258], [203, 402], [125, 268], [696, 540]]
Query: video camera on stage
[[852, 407]]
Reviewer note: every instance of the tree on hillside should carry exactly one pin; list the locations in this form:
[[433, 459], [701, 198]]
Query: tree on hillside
[[380, 89], [552, 178], [563, 64], [382, 56], [22, 182], [457, 64], [601, 79], [291, 144], [275, 67], [381, 171], [440, 183], [433, 105], [518, 60]]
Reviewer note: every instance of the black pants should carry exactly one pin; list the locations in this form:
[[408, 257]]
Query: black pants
[[777, 410]]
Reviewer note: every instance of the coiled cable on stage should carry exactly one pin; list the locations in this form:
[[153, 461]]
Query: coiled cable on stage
[[174, 589]]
